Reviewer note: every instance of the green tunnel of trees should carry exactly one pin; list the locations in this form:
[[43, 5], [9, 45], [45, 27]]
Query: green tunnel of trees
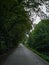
[[15, 24]]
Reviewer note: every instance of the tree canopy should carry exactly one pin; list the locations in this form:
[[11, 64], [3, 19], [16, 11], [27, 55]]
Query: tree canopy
[[14, 23], [39, 38]]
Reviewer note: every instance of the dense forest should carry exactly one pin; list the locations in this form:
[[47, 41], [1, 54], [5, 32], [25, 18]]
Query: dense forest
[[39, 37], [14, 24]]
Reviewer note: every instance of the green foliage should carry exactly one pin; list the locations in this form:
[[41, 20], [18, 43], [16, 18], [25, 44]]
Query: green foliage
[[39, 38], [14, 23]]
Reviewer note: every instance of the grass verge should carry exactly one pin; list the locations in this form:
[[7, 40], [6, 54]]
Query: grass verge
[[45, 57]]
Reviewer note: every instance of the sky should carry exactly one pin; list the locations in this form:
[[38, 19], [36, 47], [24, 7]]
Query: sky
[[36, 18], [43, 9]]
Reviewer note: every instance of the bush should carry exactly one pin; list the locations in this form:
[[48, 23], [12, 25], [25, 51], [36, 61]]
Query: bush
[[39, 38]]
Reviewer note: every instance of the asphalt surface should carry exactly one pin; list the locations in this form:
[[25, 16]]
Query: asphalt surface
[[23, 56]]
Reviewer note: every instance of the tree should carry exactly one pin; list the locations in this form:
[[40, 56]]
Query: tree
[[14, 23], [39, 38]]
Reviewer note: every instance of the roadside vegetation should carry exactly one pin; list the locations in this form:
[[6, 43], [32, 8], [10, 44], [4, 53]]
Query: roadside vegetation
[[14, 24], [38, 40]]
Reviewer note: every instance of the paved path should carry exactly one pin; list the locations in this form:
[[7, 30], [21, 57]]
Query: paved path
[[23, 56]]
